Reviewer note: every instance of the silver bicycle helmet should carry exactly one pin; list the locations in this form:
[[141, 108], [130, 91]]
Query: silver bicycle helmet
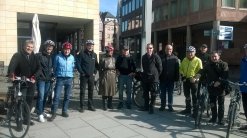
[[90, 42], [49, 42]]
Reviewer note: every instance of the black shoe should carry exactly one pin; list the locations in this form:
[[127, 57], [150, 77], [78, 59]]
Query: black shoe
[[143, 109], [52, 117], [128, 106], [31, 123], [91, 108], [171, 109], [212, 120], [151, 111], [244, 127], [109, 106], [162, 108], [81, 110], [186, 111], [120, 105], [65, 114], [222, 123]]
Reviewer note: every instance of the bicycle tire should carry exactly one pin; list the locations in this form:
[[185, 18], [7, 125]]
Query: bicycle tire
[[231, 118], [137, 95], [200, 110], [16, 115]]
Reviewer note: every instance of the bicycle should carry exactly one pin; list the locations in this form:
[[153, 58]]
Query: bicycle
[[202, 105], [18, 111], [137, 93], [234, 106]]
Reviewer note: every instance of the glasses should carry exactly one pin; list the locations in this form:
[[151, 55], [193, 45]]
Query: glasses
[[149, 48]]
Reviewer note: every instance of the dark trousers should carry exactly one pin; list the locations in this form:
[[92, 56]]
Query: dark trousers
[[190, 90], [149, 88], [213, 102], [28, 94], [83, 81], [244, 99]]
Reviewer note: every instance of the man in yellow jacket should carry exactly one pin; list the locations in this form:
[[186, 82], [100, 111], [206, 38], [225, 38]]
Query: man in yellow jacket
[[189, 69]]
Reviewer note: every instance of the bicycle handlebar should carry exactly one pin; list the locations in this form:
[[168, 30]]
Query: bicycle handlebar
[[22, 79]]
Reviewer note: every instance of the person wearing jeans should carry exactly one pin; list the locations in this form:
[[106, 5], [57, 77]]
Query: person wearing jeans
[[126, 69], [169, 75], [64, 69], [44, 78]]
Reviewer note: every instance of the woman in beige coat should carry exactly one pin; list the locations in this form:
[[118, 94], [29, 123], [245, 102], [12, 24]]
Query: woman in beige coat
[[107, 76]]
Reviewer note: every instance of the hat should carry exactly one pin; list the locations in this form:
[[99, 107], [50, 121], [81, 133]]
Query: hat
[[204, 45], [245, 46], [126, 47], [191, 49]]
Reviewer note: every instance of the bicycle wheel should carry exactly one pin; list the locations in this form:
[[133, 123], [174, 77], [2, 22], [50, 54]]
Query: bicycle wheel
[[137, 95], [200, 110], [231, 118], [19, 113]]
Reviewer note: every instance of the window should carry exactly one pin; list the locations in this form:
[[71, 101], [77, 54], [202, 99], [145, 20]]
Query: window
[[137, 22], [141, 20], [242, 3], [122, 27], [133, 23], [126, 25], [141, 2], [183, 7], [129, 25], [228, 3], [137, 3], [133, 4], [165, 12], [207, 4], [195, 5], [173, 9], [129, 5]]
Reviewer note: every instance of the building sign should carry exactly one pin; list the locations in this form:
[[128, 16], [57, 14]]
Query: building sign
[[225, 33]]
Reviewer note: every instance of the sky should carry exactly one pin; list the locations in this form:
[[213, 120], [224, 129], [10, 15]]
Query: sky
[[109, 5]]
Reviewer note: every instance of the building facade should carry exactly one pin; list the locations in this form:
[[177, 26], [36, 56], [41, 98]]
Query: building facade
[[109, 30], [221, 24], [60, 20]]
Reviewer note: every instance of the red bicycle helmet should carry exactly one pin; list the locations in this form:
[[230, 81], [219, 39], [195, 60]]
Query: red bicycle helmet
[[67, 45]]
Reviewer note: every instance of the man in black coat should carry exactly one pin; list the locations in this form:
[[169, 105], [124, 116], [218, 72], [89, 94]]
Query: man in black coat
[[25, 63], [215, 73], [152, 68], [169, 75], [87, 64]]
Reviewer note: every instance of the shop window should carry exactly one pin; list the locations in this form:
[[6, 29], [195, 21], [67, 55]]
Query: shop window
[[137, 4], [133, 5], [228, 3], [242, 3]]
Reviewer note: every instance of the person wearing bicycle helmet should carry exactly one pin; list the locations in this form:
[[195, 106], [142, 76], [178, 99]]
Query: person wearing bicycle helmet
[[25, 63], [44, 78], [63, 67], [243, 89], [189, 69], [87, 65]]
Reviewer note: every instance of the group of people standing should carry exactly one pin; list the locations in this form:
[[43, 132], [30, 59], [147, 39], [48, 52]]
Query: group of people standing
[[160, 71]]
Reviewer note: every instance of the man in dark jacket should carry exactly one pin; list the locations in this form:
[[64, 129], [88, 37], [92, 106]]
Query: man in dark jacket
[[44, 78], [25, 63], [169, 75], [126, 68], [215, 73], [204, 55], [87, 64], [152, 68]]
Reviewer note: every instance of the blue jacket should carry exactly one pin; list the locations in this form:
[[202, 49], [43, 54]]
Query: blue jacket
[[64, 66], [243, 74]]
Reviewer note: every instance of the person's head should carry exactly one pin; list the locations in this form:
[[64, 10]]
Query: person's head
[[150, 48], [125, 50], [89, 45], [245, 49], [49, 46], [204, 48], [28, 46], [215, 56], [168, 49], [190, 52], [67, 48], [109, 50]]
